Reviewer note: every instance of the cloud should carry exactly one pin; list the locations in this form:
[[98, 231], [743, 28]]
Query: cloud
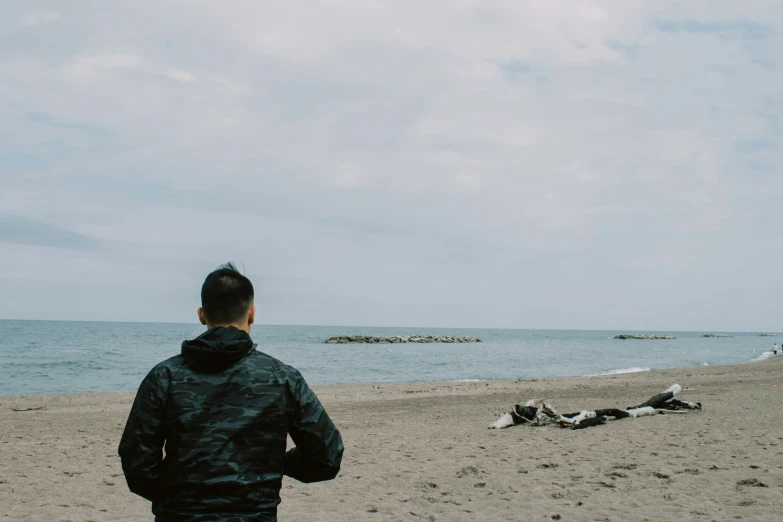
[[47, 119], [224, 83], [732, 30], [38, 18], [515, 68], [348, 174], [750, 147], [14, 229], [483, 164], [181, 75], [98, 66]]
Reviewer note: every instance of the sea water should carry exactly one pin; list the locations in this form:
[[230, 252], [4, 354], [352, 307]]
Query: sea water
[[66, 357]]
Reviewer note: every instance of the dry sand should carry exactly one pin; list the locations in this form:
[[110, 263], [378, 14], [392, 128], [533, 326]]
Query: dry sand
[[423, 452]]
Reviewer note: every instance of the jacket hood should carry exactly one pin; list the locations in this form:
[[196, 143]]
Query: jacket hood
[[217, 349]]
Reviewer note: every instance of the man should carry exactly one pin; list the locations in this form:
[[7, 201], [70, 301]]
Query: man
[[223, 411]]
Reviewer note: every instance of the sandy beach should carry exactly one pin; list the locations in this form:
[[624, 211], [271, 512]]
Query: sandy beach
[[423, 452]]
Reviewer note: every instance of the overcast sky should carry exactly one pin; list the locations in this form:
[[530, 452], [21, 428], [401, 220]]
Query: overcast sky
[[521, 164]]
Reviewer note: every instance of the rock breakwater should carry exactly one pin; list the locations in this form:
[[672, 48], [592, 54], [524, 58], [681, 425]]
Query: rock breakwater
[[717, 335], [769, 335], [644, 336], [369, 339]]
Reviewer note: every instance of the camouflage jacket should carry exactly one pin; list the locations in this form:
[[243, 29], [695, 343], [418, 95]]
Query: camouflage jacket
[[223, 411]]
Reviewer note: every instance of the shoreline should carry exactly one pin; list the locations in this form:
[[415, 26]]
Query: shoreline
[[422, 451], [610, 373]]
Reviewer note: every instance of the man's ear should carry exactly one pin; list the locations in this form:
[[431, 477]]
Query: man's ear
[[201, 316], [251, 317]]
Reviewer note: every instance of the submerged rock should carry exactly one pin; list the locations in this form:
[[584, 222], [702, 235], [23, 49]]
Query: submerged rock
[[644, 336], [368, 339]]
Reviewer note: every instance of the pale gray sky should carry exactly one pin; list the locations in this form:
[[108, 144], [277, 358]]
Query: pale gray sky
[[534, 164]]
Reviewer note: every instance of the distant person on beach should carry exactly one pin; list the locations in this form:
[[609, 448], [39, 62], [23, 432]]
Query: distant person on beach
[[223, 409], [775, 349]]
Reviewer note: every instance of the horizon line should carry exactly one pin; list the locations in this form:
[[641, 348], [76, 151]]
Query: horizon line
[[418, 327]]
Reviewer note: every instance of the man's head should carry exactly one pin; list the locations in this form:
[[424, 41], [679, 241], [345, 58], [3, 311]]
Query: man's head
[[227, 299]]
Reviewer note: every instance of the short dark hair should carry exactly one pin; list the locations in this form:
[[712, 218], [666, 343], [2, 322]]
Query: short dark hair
[[226, 295]]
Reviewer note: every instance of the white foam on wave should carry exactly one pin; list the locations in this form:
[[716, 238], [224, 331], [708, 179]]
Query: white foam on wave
[[635, 369], [765, 355], [470, 380]]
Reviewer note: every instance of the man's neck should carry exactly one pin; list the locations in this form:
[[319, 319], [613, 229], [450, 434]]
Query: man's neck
[[244, 327]]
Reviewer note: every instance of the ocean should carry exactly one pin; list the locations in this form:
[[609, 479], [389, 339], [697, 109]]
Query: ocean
[[44, 357]]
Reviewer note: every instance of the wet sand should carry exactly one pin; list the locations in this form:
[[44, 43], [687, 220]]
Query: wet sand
[[423, 452]]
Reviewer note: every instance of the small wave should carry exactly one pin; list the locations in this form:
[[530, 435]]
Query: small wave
[[635, 369], [470, 380], [764, 356]]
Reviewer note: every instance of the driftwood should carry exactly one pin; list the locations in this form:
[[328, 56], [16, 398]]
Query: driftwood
[[538, 412], [37, 408]]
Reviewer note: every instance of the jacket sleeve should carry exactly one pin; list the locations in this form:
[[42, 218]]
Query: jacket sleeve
[[141, 447], [319, 446]]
